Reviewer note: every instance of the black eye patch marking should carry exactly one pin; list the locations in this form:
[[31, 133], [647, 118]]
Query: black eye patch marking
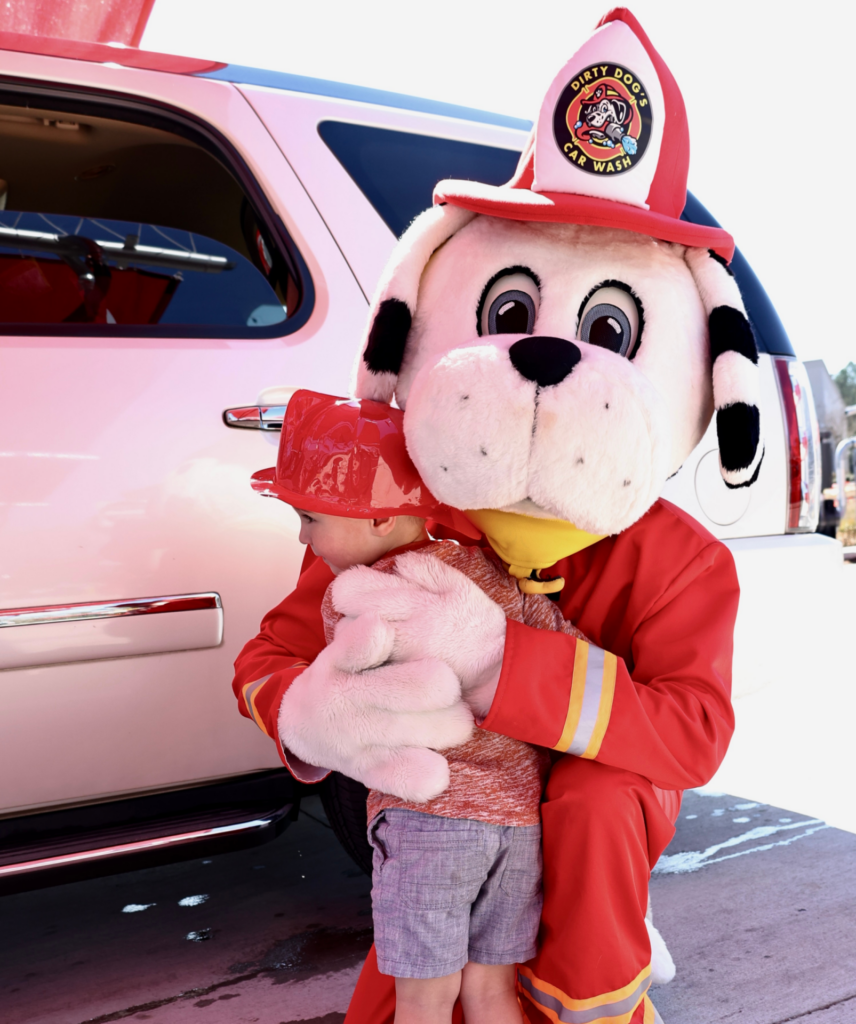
[[387, 337]]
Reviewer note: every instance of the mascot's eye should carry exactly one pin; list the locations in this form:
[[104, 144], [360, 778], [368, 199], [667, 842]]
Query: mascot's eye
[[512, 312], [610, 319], [510, 306]]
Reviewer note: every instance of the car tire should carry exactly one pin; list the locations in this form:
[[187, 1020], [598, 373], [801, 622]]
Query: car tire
[[344, 802]]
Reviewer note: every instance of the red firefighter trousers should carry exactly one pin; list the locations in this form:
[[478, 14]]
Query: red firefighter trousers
[[603, 830]]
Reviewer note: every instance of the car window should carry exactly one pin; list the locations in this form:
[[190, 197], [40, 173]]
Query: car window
[[57, 269], [115, 226], [397, 171]]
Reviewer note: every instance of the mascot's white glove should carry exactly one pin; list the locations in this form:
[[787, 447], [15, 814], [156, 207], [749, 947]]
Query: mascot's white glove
[[375, 722], [438, 613]]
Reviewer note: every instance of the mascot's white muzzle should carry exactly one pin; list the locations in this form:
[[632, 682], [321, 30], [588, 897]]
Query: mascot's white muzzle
[[512, 420]]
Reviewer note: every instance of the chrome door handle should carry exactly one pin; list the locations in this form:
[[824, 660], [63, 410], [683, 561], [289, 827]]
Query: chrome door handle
[[255, 417]]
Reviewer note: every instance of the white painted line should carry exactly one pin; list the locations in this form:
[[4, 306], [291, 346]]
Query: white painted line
[[693, 860]]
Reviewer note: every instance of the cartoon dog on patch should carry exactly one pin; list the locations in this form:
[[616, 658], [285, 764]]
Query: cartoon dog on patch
[[605, 120], [558, 345]]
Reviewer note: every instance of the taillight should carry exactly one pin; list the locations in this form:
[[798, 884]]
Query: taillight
[[803, 444]]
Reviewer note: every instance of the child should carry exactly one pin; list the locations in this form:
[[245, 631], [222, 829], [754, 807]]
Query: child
[[456, 882]]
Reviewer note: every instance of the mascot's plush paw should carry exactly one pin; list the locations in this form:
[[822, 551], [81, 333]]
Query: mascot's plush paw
[[436, 611], [662, 964], [412, 773], [353, 711]]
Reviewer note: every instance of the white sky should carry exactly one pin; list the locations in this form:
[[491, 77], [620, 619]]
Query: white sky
[[770, 90]]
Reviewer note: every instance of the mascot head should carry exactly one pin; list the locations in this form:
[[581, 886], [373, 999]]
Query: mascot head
[[559, 343]]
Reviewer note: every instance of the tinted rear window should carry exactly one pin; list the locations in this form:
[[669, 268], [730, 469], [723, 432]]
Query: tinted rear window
[[56, 269], [128, 222], [397, 171]]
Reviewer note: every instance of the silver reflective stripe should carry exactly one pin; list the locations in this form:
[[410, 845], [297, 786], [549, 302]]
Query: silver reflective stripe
[[603, 1012], [657, 1018], [591, 701]]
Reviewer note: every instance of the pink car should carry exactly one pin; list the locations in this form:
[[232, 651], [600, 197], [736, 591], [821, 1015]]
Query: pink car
[[181, 245]]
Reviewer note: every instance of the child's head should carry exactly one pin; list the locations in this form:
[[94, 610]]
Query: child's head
[[343, 542], [343, 466]]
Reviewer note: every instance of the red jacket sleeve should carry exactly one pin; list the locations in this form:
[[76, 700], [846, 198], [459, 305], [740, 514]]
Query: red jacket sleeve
[[655, 697], [291, 637]]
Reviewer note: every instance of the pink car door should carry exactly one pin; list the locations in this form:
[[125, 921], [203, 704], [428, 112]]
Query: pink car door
[[160, 263]]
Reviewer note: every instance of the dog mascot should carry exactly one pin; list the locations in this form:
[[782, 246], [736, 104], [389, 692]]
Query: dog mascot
[[558, 345]]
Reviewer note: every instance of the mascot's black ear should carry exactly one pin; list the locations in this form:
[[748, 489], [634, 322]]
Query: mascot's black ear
[[734, 358], [394, 304]]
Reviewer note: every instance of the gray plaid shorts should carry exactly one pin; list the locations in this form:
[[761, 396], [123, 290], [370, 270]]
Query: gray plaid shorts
[[449, 890]]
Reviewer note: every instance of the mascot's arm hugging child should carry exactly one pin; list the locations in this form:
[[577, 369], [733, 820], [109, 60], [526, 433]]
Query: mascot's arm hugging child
[[558, 346]]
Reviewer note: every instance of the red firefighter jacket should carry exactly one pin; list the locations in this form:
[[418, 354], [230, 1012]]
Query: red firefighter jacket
[[650, 693]]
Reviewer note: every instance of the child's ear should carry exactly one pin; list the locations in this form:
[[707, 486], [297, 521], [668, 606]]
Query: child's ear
[[383, 527]]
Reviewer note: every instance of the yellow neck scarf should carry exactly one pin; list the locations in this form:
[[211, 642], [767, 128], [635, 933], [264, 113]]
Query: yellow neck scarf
[[527, 545]]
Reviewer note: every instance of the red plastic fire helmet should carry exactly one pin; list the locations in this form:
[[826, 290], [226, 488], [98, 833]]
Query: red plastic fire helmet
[[347, 457], [611, 147]]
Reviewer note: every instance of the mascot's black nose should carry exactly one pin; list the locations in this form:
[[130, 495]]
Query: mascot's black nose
[[544, 360]]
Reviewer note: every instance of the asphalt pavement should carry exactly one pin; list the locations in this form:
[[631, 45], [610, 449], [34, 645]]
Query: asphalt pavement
[[758, 906]]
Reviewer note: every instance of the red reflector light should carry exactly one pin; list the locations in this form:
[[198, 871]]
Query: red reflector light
[[803, 446]]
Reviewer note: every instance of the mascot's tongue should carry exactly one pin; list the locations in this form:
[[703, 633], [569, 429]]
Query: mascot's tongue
[[528, 545]]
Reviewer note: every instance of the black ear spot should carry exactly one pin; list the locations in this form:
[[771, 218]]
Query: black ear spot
[[730, 332], [738, 428], [721, 261], [750, 481], [387, 337]]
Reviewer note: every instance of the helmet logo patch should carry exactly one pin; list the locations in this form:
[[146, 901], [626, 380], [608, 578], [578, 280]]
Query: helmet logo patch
[[602, 122]]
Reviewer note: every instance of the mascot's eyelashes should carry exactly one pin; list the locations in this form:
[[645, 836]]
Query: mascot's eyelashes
[[509, 303], [611, 317]]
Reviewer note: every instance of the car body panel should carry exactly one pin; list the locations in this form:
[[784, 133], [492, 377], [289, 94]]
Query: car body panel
[[293, 120], [759, 510], [120, 481]]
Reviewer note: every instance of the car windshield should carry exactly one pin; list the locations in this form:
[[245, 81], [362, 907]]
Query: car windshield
[[57, 269]]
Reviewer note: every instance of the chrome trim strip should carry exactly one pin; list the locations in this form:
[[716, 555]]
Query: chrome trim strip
[[108, 609], [180, 839]]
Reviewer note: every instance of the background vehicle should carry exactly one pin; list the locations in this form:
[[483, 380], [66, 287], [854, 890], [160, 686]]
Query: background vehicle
[[181, 243]]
